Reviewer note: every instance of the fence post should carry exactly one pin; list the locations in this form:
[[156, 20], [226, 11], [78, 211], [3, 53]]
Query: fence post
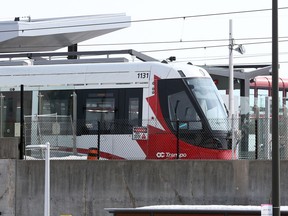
[[256, 133], [266, 132], [98, 140], [74, 96], [47, 180], [177, 136], [22, 144]]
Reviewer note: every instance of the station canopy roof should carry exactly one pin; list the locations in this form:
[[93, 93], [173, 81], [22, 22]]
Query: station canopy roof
[[28, 35]]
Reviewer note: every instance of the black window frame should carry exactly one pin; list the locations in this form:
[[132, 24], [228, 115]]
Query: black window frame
[[121, 125]]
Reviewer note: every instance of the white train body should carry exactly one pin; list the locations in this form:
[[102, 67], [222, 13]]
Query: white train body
[[123, 98]]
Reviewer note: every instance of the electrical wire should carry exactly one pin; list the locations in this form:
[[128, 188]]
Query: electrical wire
[[158, 42], [223, 57], [177, 42], [173, 42], [145, 20], [205, 47], [206, 15]]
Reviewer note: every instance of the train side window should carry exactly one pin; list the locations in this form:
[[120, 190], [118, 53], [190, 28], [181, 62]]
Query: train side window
[[51, 102], [100, 109], [133, 110], [117, 110]]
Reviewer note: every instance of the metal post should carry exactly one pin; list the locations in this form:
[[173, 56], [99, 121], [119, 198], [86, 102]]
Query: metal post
[[74, 98], [98, 144], [177, 137], [231, 70], [256, 137], [285, 132], [266, 130], [47, 181], [1, 114], [22, 143], [275, 104], [46, 147], [231, 84], [40, 107]]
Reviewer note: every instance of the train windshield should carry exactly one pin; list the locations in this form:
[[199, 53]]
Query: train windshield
[[210, 102], [195, 102]]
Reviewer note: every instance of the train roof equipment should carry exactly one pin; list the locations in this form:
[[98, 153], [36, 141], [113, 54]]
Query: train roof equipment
[[48, 58]]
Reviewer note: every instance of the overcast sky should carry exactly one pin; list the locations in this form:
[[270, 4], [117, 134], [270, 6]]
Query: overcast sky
[[210, 30]]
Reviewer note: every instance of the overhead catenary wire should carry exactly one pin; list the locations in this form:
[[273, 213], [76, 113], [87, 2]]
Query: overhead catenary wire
[[180, 41], [158, 19], [177, 42], [146, 20], [186, 48], [205, 47]]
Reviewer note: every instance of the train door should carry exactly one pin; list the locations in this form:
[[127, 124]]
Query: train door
[[10, 107]]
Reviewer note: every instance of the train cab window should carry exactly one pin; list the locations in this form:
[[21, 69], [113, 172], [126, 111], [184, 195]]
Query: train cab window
[[176, 104], [195, 102], [181, 108], [210, 102]]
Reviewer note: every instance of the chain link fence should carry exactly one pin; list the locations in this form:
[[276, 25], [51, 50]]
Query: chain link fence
[[150, 140], [56, 129], [256, 138]]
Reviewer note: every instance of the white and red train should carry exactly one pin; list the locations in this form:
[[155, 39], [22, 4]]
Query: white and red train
[[146, 110]]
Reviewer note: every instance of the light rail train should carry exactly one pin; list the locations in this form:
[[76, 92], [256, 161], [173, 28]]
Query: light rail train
[[140, 110]]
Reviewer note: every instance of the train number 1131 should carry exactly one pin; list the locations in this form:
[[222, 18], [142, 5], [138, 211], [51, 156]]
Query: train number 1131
[[143, 75]]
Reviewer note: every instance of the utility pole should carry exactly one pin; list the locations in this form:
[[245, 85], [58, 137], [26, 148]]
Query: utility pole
[[275, 112], [231, 84], [231, 71]]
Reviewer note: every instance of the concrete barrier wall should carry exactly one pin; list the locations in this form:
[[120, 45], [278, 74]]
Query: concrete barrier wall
[[85, 188], [7, 187], [9, 148]]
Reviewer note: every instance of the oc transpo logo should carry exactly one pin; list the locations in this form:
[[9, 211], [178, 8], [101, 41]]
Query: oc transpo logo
[[170, 155]]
